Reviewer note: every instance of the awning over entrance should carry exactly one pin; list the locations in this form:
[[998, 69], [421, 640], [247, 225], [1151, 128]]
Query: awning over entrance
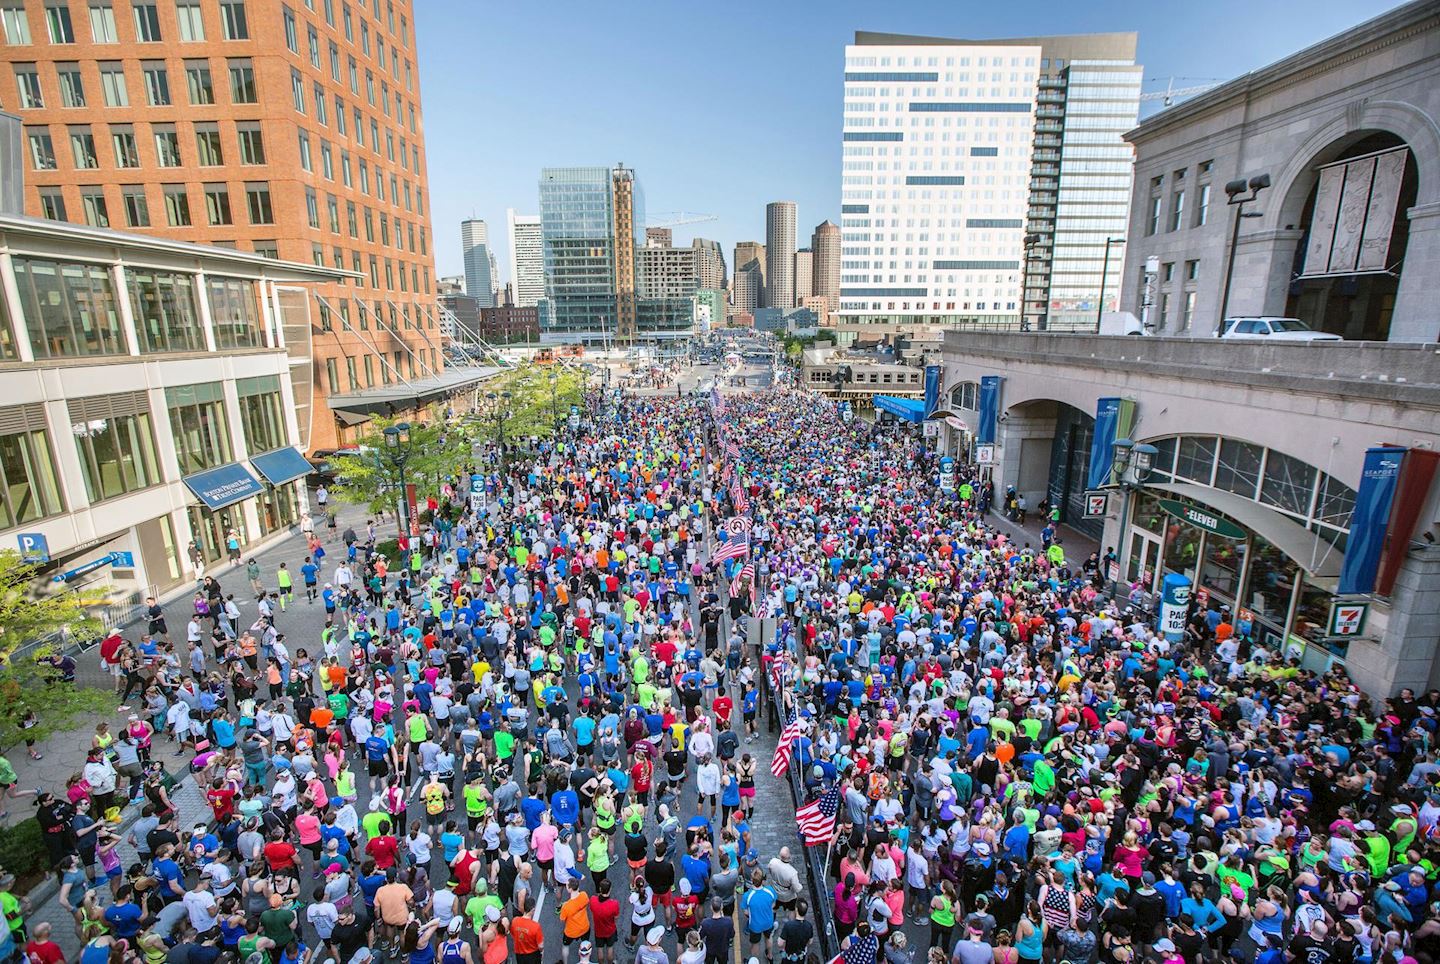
[[281, 466], [223, 486], [909, 409], [1312, 553], [410, 395]]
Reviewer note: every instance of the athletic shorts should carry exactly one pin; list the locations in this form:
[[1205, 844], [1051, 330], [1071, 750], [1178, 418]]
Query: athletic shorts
[[379, 768]]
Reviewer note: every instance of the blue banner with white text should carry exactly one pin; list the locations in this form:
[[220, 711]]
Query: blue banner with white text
[[1102, 444], [989, 409], [1370, 519], [932, 389]]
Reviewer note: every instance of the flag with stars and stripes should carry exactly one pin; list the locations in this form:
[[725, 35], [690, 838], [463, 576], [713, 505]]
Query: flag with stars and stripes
[[732, 449], [817, 818], [736, 547], [780, 762]]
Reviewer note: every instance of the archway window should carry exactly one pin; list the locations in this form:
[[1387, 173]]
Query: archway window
[[966, 395]]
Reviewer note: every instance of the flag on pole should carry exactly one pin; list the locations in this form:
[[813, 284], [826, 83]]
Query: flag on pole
[[732, 449], [817, 818], [780, 762], [736, 547]]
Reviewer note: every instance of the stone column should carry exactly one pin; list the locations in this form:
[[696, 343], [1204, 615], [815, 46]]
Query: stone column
[[1264, 263], [1405, 654], [1415, 319]]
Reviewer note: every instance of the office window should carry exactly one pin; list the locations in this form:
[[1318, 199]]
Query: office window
[[207, 145], [1177, 210], [350, 375], [369, 370], [312, 208], [262, 413], [1152, 223], [127, 152], [345, 177], [42, 150], [242, 83], [354, 71], [199, 426], [1202, 205], [1188, 315], [217, 204], [330, 12], [167, 145], [266, 249], [82, 147], [157, 84], [197, 79], [305, 163], [147, 22], [52, 204], [102, 24], [339, 115], [57, 21], [370, 88], [291, 40], [92, 201], [177, 205], [313, 39], [334, 62], [297, 90], [257, 201], [327, 161], [116, 444], [192, 25], [112, 84], [349, 24], [167, 316], [17, 24], [332, 376], [137, 209], [365, 37], [72, 87], [1167, 271], [31, 488], [233, 24], [27, 83], [69, 308], [234, 311], [252, 143]]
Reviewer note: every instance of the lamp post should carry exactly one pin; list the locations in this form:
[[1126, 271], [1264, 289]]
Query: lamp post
[[397, 448], [1104, 276], [1237, 198], [500, 408], [1131, 465]]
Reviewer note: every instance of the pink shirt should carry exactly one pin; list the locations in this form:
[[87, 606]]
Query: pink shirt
[[542, 839], [307, 825], [1131, 861]]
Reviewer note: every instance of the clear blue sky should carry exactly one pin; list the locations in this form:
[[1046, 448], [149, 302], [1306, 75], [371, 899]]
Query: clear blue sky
[[722, 106]]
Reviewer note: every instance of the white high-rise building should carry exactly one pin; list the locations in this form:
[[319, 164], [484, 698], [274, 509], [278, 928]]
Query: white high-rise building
[[956, 151], [527, 258], [475, 248]]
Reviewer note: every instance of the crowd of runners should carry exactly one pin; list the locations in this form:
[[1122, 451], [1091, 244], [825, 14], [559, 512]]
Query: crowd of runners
[[533, 734]]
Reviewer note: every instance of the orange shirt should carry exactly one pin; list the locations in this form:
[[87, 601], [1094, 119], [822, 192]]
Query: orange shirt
[[528, 936], [575, 912]]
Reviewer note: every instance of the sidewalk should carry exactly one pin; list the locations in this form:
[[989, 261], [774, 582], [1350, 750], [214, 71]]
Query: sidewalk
[[1077, 545]]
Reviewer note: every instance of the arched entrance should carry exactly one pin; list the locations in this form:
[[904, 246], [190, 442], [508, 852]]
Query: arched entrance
[[1053, 459], [1348, 260]]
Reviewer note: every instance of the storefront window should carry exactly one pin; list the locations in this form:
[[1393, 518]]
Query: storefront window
[[1196, 459], [261, 413], [1239, 468], [30, 488], [1271, 582], [1289, 483], [235, 314], [1312, 613], [117, 454], [166, 315], [1336, 502], [277, 508], [70, 309], [200, 427], [1164, 465], [1224, 558], [1148, 514], [1182, 547]]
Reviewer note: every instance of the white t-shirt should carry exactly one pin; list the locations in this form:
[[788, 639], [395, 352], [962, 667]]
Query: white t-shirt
[[200, 905]]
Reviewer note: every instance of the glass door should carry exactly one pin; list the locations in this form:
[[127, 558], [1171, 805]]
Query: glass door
[[1143, 559]]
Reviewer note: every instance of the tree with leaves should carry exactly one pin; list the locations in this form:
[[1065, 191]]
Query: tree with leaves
[[35, 625], [372, 478]]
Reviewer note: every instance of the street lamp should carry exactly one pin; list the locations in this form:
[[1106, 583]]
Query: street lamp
[[397, 447], [1104, 276], [1132, 464], [1236, 197]]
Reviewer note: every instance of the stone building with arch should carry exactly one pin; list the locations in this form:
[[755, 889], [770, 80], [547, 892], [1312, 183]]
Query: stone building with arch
[[1347, 235], [1262, 448]]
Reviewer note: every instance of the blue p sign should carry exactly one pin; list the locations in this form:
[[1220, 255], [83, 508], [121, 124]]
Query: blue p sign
[[34, 547]]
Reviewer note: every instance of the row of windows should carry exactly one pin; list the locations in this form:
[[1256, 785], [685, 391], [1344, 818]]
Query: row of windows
[[1172, 216], [135, 204], [352, 67], [144, 22], [115, 442]]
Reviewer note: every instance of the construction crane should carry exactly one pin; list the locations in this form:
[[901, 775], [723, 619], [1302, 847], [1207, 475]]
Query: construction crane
[[1168, 95], [672, 219]]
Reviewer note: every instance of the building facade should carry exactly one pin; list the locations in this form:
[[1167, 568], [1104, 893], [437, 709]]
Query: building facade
[[460, 321], [825, 241], [936, 236], [804, 274], [748, 288], [479, 262], [780, 254], [147, 402], [504, 324], [527, 258], [291, 131], [577, 221], [1346, 236]]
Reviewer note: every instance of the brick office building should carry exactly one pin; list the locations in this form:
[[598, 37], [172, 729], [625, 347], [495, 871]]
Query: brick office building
[[291, 130]]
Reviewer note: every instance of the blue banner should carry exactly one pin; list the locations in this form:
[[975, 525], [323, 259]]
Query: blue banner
[[989, 409], [281, 466], [1370, 520], [932, 389], [1102, 445]]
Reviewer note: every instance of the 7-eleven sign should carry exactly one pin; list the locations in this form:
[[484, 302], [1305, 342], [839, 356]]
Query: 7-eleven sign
[[1347, 619]]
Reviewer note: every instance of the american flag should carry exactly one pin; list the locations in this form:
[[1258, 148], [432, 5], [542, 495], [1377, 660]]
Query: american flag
[[780, 762], [817, 818], [732, 449], [747, 571], [736, 547], [739, 524]]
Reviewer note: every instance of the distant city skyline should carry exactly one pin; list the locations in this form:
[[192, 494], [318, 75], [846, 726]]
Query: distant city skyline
[[783, 146]]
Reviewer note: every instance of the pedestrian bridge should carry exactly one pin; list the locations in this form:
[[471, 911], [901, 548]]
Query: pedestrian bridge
[[1270, 438]]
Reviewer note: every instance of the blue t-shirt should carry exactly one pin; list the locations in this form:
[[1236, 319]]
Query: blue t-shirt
[[584, 731], [760, 906]]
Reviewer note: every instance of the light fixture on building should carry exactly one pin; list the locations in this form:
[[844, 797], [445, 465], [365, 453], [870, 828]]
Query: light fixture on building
[[1236, 197]]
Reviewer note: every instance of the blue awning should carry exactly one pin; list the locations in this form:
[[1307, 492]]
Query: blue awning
[[281, 465], [910, 409], [224, 486]]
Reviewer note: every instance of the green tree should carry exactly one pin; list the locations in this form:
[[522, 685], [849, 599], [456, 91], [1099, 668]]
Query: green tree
[[35, 623], [373, 477]]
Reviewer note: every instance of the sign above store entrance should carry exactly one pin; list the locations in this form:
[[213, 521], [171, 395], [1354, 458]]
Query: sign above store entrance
[[1202, 518]]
